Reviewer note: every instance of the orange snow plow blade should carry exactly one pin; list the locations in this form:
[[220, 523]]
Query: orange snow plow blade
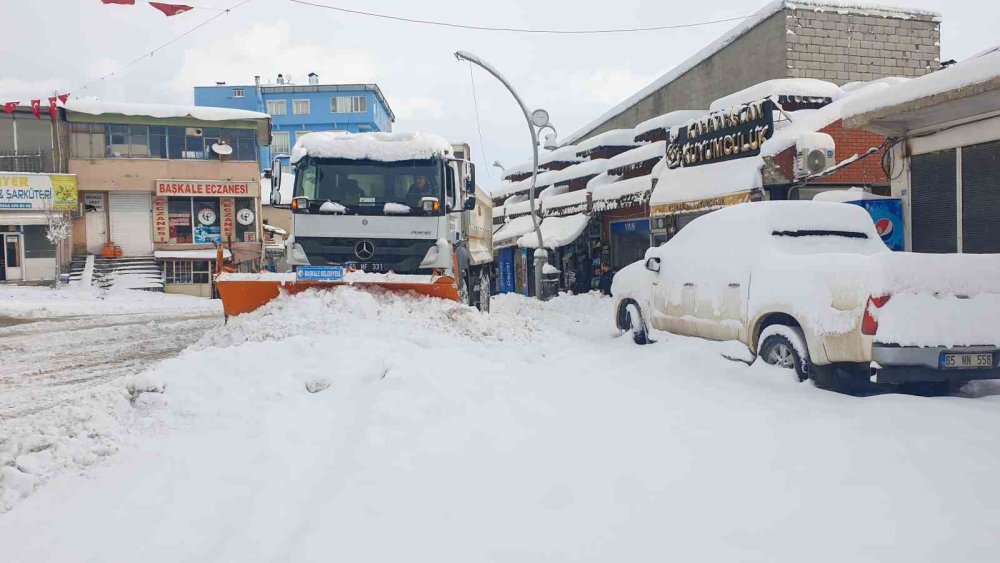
[[242, 293]]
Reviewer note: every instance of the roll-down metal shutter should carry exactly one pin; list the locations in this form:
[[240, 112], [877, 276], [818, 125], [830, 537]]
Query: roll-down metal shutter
[[132, 222], [934, 202], [981, 198]]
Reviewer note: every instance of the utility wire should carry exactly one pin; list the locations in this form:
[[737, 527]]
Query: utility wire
[[149, 54], [475, 102], [516, 29]]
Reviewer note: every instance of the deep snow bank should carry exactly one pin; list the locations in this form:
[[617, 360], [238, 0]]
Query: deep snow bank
[[39, 302]]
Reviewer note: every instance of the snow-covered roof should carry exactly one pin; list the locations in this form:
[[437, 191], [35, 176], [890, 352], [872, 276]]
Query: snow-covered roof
[[565, 199], [983, 67], [840, 6], [508, 189], [613, 138], [556, 231], [583, 169], [385, 147], [812, 120], [805, 87], [668, 120], [99, 107], [691, 183], [623, 188], [638, 154], [512, 230], [202, 254], [562, 154]]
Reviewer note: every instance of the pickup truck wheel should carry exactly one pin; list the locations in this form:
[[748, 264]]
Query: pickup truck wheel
[[777, 350], [633, 321]]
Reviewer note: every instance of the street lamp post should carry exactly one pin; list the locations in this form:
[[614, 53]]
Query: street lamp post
[[537, 121]]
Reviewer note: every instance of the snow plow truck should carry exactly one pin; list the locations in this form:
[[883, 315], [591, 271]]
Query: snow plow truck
[[397, 211]]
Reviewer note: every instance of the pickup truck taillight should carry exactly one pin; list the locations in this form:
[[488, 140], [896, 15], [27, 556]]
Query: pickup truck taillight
[[869, 323]]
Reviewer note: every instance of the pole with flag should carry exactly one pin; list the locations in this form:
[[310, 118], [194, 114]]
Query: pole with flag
[[171, 9]]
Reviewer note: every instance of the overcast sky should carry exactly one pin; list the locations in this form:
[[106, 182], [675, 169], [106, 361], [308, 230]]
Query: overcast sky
[[64, 44]]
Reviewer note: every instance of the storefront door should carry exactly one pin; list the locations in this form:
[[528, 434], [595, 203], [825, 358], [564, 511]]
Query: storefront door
[[12, 250], [629, 242], [97, 222]]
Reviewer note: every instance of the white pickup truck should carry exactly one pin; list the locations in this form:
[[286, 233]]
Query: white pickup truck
[[810, 286]]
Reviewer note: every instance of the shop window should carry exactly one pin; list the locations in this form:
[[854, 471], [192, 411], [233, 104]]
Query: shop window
[[117, 143], [179, 220], [934, 202], [138, 141], [245, 145], [246, 213], [980, 198], [188, 271], [201, 271], [36, 245], [157, 141], [87, 140], [206, 221]]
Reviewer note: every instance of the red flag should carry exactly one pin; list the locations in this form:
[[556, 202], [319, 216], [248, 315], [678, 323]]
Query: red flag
[[128, 2], [53, 112], [9, 107], [171, 9], [63, 97], [36, 108]]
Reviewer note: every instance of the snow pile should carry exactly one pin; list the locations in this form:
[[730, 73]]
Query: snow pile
[[911, 319], [978, 69], [692, 183], [40, 302], [639, 154], [556, 231], [848, 195], [97, 107], [384, 147], [613, 138], [804, 87], [668, 120]]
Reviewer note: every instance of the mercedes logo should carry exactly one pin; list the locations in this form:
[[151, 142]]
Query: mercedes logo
[[365, 249]]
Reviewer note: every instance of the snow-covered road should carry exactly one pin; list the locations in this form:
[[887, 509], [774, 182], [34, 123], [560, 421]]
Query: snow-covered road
[[531, 434]]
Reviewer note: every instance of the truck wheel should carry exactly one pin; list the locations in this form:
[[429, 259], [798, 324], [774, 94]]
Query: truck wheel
[[485, 289], [777, 350]]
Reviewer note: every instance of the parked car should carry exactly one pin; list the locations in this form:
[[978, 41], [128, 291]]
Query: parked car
[[810, 286]]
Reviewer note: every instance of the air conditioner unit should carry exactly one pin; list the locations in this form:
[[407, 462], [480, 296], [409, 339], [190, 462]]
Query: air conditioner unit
[[814, 153], [193, 131]]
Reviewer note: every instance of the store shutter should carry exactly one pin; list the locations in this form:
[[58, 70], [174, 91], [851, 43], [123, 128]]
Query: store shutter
[[132, 222], [933, 202], [981, 198]]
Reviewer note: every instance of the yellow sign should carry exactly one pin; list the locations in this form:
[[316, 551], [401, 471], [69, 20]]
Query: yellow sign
[[38, 192], [701, 204], [64, 196]]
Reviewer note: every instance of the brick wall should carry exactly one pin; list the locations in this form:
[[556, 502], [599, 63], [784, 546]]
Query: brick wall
[[848, 47], [848, 142]]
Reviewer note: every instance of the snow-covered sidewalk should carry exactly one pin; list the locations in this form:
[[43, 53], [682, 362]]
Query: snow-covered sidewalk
[[531, 434], [79, 299]]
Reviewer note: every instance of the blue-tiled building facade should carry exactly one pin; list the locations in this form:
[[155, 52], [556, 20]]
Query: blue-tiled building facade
[[297, 109]]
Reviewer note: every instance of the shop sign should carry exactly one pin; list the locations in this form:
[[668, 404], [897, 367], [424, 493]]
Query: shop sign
[[206, 216], [319, 273], [228, 212], [245, 217], [93, 202], [38, 192], [206, 188], [180, 220], [161, 230], [706, 204], [723, 135]]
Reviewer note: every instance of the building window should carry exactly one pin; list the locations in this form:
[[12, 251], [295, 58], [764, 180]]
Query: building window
[[87, 140], [349, 104], [239, 93], [277, 107], [179, 220], [36, 245], [279, 142], [95, 140], [300, 107], [248, 232], [188, 271]]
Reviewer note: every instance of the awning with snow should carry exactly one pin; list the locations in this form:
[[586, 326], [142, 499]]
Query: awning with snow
[[710, 186], [556, 231], [631, 192], [511, 231], [201, 254]]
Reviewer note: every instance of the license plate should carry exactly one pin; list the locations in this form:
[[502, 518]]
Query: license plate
[[963, 360], [370, 267]]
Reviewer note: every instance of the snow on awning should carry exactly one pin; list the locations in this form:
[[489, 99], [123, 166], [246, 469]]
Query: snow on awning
[[556, 231], [613, 138], [96, 107], [805, 87], [708, 186], [562, 154], [565, 203], [644, 131], [202, 254], [638, 154], [581, 170], [512, 230], [508, 189]]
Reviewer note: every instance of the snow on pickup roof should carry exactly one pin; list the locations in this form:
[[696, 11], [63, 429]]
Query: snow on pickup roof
[[385, 147], [711, 180], [97, 107], [846, 6], [806, 87], [979, 68]]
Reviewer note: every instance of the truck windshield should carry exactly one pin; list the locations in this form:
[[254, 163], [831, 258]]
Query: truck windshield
[[365, 187]]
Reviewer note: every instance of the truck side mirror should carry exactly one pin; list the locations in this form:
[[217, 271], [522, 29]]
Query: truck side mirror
[[470, 202], [470, 181], [653, 264], [276, 182]]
